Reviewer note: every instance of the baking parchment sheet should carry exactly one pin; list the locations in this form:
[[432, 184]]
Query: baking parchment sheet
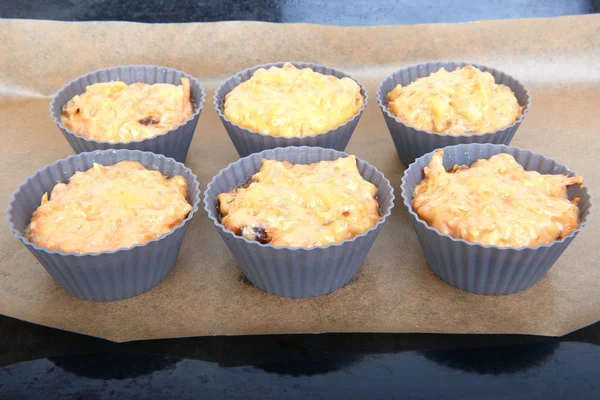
[[394, 291]]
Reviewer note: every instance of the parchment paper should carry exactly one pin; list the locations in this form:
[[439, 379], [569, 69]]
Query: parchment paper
[[394, 290]]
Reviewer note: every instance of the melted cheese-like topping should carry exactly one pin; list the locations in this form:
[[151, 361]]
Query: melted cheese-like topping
[[302, 205], [116, 112], [462, 101], [292, 102], [109, 207], [496, 202]]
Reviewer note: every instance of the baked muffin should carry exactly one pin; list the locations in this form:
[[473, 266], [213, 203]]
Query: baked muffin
[[464, 101], [496, 202], [292, 102], [302, 205], [107, 208], [117, 112]]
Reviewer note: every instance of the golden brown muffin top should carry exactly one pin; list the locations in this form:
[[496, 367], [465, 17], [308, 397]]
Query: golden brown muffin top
[[496, 202], [463, 101], [302, 204], [292, 102], [109, 207], [117, 112]]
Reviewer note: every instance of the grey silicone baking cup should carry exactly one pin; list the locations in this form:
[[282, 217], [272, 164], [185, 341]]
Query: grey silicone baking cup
[[110, 275], [173, 143], [296, 272], [247, 141], [483, 269], [411, 142]]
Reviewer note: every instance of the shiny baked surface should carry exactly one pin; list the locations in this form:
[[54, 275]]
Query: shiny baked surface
[[464, 101], [496, 202], [117, 112], [302, 204], [109, 207], [292, 102]]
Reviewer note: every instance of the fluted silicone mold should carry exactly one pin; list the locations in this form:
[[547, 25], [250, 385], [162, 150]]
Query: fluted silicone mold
[[301, 271], [247, 141], [173, 143], [483, 269], [411, 142], [110, 275]]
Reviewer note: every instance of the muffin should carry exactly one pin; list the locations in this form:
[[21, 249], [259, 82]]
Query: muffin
[[496, 202], [273, 254], [108, 208], [302, 205], [465, 100], [138, 107], [493, 219], [438, 104], [112, 226], [289, 104], [117, 112], [292, 102]]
